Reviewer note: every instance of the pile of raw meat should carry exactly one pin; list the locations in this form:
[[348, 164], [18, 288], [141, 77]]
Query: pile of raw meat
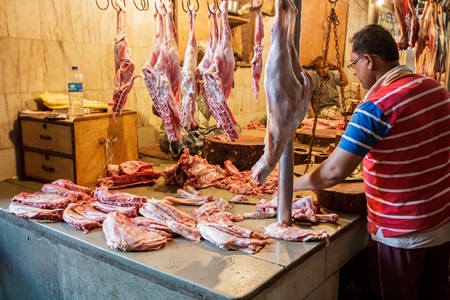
[[196, 172], [135, 223]]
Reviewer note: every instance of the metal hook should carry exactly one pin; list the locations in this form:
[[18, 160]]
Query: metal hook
[[105, 8], [144, 5], [209, 9], [218, 6], [188, 3]]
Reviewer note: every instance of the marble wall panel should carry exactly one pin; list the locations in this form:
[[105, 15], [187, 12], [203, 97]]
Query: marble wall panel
[[8, 20], [31, 65], [53, 59], [28, 24], [51, 20], [10, 104], [9, 65]]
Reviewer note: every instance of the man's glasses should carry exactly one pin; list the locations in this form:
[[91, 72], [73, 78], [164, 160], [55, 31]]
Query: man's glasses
[[352, 65]]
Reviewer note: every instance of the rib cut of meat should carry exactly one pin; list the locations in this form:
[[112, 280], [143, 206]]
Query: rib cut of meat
[[123, 199], [124, 65], [73, 187], [130, 211], [122, 234], [288, 90], [28, 212], [78, 221], [41, 200]]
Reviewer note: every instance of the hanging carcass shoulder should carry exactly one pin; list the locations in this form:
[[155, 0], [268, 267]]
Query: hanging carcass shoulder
[[408, 22], [188, 77], [217, 72], [124, 66], [162, 73], [288, 90]]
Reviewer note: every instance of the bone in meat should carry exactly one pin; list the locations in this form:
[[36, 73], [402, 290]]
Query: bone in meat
[[124, 65], [258, 48], [279, 230], [218, 78], [287, 102], [78, 221], [157, 80], [188, 77], [122, 234], [28, 212]]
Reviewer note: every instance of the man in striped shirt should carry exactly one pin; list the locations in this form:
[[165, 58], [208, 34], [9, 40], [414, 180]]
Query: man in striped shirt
[[401, 132]]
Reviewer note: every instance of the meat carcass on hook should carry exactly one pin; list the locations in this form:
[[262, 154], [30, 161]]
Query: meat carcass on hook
[[258, 48], [188, 77], [124, 65], [288, 90]]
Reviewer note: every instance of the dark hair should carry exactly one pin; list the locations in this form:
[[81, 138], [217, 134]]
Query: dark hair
[[377, 40]]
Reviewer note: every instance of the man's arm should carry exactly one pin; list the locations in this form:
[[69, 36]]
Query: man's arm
[[338, 166]]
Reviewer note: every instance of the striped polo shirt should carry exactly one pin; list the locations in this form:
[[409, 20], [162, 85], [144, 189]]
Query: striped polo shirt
[[403, 132]]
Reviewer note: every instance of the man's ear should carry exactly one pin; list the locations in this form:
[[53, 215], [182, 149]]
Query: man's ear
[[370, 61]]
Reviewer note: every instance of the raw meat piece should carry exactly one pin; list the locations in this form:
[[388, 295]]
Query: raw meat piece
[[260, 215], [229, 241], [90, 212], [122, 234], [152, 225], [162, 78], [28, 212], [279, 230], [130, 173], [133, 167], [258, 48], [192, 170], [288, 90], [122, 181], [218, 78], [182, 193], [188, 77], [185, 201], [73, 187], [102, 195], [124, 65], [54, 189], [129, 212], [78, 221], [41, 200], [406, 13]]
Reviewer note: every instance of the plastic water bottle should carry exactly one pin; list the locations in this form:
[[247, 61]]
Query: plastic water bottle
[[75, 90]]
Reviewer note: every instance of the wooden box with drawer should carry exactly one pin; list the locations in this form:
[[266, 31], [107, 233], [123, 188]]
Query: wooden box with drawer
[[77, 150]]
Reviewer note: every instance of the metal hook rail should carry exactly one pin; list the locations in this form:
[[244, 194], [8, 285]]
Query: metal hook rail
[[144, 5]]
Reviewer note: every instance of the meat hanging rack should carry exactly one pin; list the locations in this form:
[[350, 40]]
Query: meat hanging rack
[[332, 22], [143, 6]]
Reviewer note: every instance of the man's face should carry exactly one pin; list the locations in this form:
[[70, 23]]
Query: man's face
[[322, 69]]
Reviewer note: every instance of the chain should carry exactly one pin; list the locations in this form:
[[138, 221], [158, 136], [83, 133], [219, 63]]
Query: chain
[[331, 20]]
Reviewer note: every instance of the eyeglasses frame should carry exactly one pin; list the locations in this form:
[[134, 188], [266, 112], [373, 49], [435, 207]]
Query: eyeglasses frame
[[352, 65]]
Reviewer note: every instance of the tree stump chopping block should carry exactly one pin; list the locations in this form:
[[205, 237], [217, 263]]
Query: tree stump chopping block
[[345, 197], [243, 153]]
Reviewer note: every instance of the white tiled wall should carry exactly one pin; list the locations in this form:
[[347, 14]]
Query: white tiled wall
[[39, 42]]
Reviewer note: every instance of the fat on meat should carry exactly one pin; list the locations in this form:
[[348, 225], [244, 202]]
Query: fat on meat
[[279, 230], [123, 234], [258, 48], [77, 221], [68, 184], [188, 76], [123, 199], [288, 90], [173, 55], [41, 200], [158, 79], [24, 211], [123, 62], [218, 78]]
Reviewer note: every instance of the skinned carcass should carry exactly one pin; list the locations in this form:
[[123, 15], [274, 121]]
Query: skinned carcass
[[188, 77], [124, 65], [258, 48], [288, 90]]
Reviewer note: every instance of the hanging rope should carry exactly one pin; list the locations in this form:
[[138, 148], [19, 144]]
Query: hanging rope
[[108, 149], [332, 21]]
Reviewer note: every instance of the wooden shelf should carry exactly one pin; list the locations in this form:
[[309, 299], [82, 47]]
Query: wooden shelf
[[236, 21]]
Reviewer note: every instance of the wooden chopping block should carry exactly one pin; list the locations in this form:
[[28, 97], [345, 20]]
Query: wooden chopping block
[[322, 137], [243, 153], [345, 197]]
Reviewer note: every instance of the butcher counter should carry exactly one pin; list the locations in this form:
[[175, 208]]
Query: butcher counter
[[54, 261]]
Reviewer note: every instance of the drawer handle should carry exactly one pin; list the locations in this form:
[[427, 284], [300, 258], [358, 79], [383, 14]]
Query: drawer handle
[[47, 169], [45, 137]]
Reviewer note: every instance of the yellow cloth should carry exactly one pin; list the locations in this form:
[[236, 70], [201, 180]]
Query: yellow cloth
[[60, 101]]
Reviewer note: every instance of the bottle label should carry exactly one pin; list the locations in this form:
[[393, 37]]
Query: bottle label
[[75, 86]]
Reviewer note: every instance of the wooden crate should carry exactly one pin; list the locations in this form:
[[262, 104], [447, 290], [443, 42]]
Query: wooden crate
[[77, 150]]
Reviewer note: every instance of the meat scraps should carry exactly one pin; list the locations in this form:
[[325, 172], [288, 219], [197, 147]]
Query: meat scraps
[[130, 173]]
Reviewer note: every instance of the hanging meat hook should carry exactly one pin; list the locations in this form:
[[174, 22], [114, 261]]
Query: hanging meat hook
[[112, 4], [102, 8], [144, 5], [217, 4], [188, 3]]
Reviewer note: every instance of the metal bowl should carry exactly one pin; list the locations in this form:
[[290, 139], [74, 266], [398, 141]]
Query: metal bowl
[[233, 6]]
